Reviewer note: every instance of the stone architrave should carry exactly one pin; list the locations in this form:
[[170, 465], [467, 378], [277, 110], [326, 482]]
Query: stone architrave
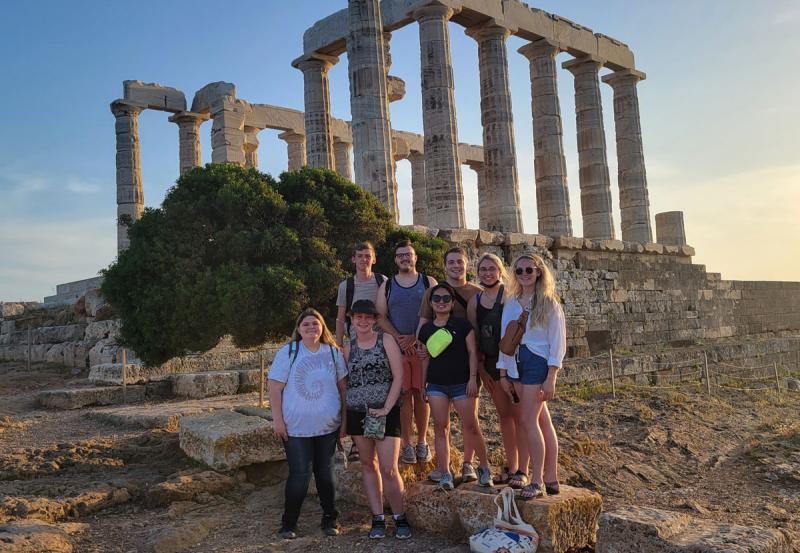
[[594, 178], [190, 154], [486, 203], [419, 197], [251, 147], [369, 103], [633, 196], [550, 167], [442, 168], [295, 149], [501, 209], [341, 153], [130, 196], [227, 130], [317, 95]]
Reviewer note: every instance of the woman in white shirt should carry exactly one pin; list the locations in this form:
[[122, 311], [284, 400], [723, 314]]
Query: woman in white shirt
[[533, 370]]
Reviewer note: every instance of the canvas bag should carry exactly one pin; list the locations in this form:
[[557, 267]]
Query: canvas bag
[[510, 533]]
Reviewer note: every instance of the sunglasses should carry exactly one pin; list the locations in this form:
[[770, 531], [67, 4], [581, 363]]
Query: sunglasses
[[444, 298], [526, 270]]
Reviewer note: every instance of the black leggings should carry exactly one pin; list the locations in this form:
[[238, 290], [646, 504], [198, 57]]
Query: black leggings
[[302, 454]]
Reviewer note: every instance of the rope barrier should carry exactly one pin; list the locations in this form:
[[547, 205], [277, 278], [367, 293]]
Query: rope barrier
[[751, 378], [675, 364], [743, 368], [744, 389]]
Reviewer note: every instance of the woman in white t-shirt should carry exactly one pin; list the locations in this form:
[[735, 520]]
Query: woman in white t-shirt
[[534, 368], [306, 391]]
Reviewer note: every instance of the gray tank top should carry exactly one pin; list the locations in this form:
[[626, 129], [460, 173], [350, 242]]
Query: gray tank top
[[404, 305]]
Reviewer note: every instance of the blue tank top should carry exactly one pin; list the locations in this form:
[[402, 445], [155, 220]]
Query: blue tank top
[[404, 305]]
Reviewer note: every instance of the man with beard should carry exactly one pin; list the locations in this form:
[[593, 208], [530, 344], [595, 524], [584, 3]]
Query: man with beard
[[398, 304]]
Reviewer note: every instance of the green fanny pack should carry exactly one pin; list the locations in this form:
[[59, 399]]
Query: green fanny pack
[[438, 342]]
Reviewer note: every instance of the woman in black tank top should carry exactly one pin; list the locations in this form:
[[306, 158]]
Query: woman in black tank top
[[485, 313]]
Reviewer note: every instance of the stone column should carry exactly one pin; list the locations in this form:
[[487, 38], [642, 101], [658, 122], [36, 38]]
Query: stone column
[[227, 131], [499, 172], [550, 167], [319, 128], [189, 139], [369, 103], [669, 228], [442, 168], [251, 147], [594, 179], [130, 197], [341, 153], [419, 196], [486, 201], [634, 200], [295, 149]]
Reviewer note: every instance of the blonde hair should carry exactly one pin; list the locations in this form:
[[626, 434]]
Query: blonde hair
[[326, 338], [545, 296], [501, 268]]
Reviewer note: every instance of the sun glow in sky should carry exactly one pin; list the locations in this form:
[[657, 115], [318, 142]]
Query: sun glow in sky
[[720, 117]]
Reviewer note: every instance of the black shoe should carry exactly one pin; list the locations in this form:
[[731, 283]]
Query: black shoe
[[402, 529], [287, 533], [330, 526], [378, 530]]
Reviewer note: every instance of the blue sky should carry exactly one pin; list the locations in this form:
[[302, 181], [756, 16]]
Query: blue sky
[[720, 117]]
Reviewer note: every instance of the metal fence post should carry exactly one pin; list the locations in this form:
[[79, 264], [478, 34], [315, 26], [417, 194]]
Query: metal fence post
[[261, 383], [705, 370], [777, 378], [124, 376], [613, 381]]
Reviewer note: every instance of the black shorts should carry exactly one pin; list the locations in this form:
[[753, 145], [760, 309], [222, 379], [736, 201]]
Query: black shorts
[[355, 423]]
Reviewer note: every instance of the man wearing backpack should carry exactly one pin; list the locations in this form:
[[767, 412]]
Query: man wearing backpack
[[363, 285], [398, 303]]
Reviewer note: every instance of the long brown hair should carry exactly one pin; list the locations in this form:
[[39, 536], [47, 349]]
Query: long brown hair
[[545, 294], [326, 338]]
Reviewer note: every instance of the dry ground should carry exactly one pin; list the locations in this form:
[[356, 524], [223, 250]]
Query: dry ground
[[734, 457]]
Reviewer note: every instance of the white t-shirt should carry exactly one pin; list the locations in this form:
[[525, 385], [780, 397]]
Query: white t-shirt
[[311, 402], [548, 340]]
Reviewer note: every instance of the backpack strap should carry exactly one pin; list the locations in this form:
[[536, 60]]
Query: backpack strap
[[388, 289], [499, 299], [425, 282], [459, 299], [379, 278], [350, 291], [294, 349]]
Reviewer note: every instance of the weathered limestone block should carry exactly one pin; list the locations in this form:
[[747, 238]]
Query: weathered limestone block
[[29, 536], [458, 236], [100, 330], [564, 522], [93, 301], [8, 327], [249, 381], [55, 354], [611, 245], [8, 309], [489, 238], [186, 485], [226, 440], [76, 398], [686, 251], [58, 334], [76, 354], [568, 243], [110, 374], [635, 529], [670, 228], [212, 92], [651, 247], [200, 385], [154, 96], [103, 352]]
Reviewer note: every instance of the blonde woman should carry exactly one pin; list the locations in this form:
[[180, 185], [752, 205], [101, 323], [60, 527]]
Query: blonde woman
[[533, 370], [307, 385], [485, 312]]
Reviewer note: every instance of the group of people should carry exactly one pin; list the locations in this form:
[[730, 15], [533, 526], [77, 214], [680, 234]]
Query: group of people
[[408, 347]]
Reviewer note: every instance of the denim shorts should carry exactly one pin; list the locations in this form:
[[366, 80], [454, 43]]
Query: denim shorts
[[455, 392], [532, 368]]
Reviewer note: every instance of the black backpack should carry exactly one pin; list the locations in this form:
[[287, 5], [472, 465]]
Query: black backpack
[[489, 329], [350, 290]]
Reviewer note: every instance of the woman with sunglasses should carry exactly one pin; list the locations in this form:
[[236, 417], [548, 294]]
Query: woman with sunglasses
[[485, 312], [450, 374], [533, 370]]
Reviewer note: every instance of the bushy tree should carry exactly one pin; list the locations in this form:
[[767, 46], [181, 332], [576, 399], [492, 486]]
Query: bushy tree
[[232, 251], [430, 252]]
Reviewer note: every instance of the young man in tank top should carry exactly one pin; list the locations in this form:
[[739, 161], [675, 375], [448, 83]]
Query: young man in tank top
[[398, 304]]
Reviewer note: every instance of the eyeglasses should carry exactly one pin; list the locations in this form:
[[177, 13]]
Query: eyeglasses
[[526, 270], [403, 255], [444, 298]]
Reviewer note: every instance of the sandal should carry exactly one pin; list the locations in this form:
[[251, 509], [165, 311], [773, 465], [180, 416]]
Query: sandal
[[531, 491], [552, 488], [518, 480], [502, 478], [353, 455]]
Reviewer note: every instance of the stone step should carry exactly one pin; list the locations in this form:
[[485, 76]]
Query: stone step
[[76, 398], [110, 374], [205, 384], [635, 529], [225, 440]]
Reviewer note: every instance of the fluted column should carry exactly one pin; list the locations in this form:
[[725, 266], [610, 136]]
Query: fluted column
[[295, 149], [369, 103], [634, 200], [499, 173], [594, 179], [442, 168], [189, 139], [550, 167], [317, 96], [341, 152], [130, 196], [251, 147], [419, 197]]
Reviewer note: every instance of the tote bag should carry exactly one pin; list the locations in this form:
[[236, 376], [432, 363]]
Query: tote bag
[[510, 533]]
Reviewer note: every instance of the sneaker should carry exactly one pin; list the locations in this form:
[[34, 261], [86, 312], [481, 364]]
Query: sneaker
[[402, 529], [468, 473], [446, 482], [408, 455], [378, 530], [423, 453], [287, 533], [330, 527], [435, 475], [485, 477]]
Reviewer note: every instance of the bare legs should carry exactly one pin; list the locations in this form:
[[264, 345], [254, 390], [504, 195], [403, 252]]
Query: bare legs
[[414, 408], [540, 434], [381, 475], [440, 409], [514, 442]]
